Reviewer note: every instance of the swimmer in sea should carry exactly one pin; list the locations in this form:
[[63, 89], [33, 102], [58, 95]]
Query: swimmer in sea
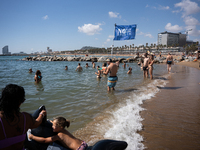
[[86, 66], [66, 67], [79, 68], [129, 70], [145, 65], [30, 70], [112, 79], [124, 65], [93, 64], [98, 73], [169, 62], [38, 76]]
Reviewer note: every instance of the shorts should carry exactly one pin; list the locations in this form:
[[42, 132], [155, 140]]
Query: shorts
[[169, 62], [145, 68], [83, 146], [112, 81]]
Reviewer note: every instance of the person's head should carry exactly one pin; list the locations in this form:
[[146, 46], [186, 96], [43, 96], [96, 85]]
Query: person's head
[[11, 98], [108, 61], [59, 123], [98, 67], [145, 54], [152, 57], [104, 64], [79, 64], [30, 70], [169, 54], [66, 67], [38, 72], [86, 64], [130, 68]]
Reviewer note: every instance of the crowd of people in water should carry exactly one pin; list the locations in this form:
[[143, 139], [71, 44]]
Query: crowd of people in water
[[14, 124]]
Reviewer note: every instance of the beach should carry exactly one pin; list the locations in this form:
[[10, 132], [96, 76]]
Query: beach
[[172, 117]]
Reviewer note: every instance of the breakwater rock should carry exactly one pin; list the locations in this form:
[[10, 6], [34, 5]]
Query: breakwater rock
[[101, 59]]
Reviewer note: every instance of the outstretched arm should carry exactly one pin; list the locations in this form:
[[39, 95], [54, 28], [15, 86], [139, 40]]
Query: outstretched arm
[[44, 140]]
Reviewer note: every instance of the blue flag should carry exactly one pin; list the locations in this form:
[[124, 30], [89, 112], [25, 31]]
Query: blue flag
[[125, 32]]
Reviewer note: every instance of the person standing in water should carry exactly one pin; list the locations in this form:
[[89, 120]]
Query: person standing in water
[[112, 79], [79, 68], [151, 61], [38, 76], [93, 64], [98, 73], [169, 62], [145, 65], [63, 136]]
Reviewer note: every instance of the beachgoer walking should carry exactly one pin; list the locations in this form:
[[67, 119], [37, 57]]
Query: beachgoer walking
[[145, 65], [151, 61], [63, 136], [112, 79], [13, 123], [79, 68], [169, 62], [38, 76]]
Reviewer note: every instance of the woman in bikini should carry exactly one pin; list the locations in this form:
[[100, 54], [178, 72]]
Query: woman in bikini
[[13, 123], [151, 61], [38, 76]]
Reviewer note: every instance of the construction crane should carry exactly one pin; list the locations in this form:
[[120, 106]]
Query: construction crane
[[187, 31]]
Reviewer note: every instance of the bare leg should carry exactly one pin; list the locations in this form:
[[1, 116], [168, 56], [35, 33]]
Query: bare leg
[[108, 88]]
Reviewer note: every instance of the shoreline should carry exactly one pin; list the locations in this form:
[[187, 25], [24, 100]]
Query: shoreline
[[171, 118]]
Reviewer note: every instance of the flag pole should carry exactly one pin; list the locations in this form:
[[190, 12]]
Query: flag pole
[[112, 49]]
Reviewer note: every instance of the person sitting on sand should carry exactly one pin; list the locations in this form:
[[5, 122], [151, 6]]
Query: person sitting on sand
[[63, 136], [66, 67], [112, 79], [38, 76], [129, 70], [13, 123], [93, 64], [30, 70], [145, 65], [98, 73], [86, 65], [79, 68], [169, 62]]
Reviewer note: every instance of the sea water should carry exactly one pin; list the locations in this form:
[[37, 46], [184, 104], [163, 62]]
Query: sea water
[[83, 99]]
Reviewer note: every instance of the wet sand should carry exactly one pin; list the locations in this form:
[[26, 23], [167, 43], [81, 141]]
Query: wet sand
[[172, 117]]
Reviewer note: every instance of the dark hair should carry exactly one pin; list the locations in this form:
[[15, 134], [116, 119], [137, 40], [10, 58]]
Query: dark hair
[[11, 98], [38, 72], [79, 63], [62, 122], [104, 64]]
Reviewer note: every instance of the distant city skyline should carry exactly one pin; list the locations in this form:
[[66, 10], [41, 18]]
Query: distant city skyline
[[32, 26]]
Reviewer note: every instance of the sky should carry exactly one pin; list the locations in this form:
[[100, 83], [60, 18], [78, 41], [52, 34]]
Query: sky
[[33, 25]]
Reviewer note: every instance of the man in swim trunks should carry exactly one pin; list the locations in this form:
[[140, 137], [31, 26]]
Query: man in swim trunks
[[169, 62], [145, 65], [112, 79]]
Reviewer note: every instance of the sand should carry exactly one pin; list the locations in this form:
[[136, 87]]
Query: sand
[[172, 117]]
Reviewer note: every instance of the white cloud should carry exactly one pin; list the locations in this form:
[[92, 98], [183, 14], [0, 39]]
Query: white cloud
[[175, 28], [111, 36], [191, 21], [188, 7], [148, 35], [108, 40], [90, 29], [114, 14], [45, 17], [163, 7]]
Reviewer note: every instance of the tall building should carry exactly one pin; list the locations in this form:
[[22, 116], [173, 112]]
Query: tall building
[[5, 50], [169, 39]]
